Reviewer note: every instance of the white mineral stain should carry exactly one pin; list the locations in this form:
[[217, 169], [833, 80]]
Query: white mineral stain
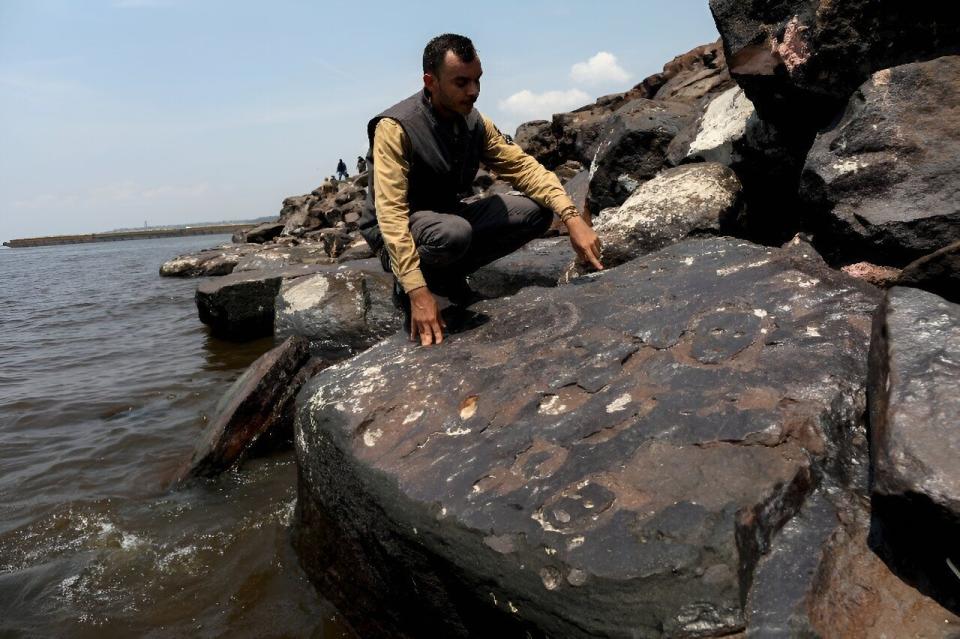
[[512, 608], [759, 312], [619, 403], [724, 120], [812, 331], [371, 437], [551, 406], [412, 417], [457, 432], [575, 542], [723, 272], [688, 261], [307, 294]]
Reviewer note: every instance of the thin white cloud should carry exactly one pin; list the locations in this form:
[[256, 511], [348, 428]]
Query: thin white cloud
[[600, 69], [528, 104]]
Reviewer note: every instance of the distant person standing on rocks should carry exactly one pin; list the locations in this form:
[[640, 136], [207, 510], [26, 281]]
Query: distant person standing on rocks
[[361, 164], [424, 154], [342, 170]]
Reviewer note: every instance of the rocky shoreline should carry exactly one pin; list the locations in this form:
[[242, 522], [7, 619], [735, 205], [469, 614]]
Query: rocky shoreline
[[745, 427]]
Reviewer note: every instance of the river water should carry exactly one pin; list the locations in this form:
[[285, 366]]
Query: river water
[[107, 379]]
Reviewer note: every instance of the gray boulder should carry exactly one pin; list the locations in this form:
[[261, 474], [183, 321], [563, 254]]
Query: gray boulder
[[938, 273], [259, 402], [687, 201], [274, 257], [537, 139], [240, 306], [211, 262], [914, 404], [633, 149], [263, 233], [605, 459], [539, 263], [884, 181], [339, 311]]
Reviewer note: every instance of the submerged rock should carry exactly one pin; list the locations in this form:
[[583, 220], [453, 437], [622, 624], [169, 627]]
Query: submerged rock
[[885, 179], [261, 400], [610, 458]]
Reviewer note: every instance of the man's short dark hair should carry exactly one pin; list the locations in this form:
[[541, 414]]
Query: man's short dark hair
[[437, 49]]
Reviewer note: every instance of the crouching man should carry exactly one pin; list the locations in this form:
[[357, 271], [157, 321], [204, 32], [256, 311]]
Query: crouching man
[[424, 154]]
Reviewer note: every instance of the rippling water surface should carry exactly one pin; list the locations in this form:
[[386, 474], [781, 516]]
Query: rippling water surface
[[106, 379]]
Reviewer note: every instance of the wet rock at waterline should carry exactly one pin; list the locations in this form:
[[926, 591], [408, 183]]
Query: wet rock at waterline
[[263, 233], [240, 305], [261, 400], [610, 458], [340, 311], [211, 262], [914, 407], [884, 182], [694, 200]]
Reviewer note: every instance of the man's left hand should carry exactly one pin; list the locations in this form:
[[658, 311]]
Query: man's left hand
[[585, 242]]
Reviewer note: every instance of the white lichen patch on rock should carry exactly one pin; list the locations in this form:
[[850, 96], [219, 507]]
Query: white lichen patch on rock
[[371, 436], [730, 270], [725, 119], [619, 403], [306, 294], [412, 417], [550, 405]]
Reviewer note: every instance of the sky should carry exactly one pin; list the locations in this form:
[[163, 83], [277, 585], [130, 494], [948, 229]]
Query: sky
[[116, 113]]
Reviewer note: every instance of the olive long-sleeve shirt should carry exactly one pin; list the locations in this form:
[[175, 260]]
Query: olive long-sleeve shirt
[[391, 170]]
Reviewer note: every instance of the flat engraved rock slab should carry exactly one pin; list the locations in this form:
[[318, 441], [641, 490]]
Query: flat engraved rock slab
[[604, 459]]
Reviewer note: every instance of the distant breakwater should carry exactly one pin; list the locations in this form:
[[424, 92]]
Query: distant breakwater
[[138, 234]]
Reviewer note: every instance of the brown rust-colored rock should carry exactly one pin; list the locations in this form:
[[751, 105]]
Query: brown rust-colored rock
[[260, 401], [880, 276], [610, 458]]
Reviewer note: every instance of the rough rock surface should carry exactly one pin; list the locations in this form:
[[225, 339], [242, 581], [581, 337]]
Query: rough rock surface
[[799, 60], [539, 263], [340, 311], [885, 180], [211, 262], [259, 401], [282, 256], [633, 149], [938, 273], [692, 75], [240, 305], [263, 233], [537, 139], [914, 404], [880, 276], [687, 201], [605, 459]]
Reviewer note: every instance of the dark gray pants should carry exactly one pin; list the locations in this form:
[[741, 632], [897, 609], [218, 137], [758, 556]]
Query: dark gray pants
[[453, 245]]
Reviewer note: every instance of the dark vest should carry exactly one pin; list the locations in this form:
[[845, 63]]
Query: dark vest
[[444, 158]]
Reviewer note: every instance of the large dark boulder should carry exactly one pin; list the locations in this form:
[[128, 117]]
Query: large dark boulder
[[264, 233], [938, 273], [914, 407], [799, 60], [274, 257], [884, 182], [537, 139], [687, 201], [260, 401], [340, 311], [633, 149], [240, 306], [604, 459]]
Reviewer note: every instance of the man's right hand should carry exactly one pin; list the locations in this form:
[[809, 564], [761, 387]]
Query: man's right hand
[[425, 319]]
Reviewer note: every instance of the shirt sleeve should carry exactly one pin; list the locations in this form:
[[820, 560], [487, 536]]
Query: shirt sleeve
[[391, 171], [523, 171]]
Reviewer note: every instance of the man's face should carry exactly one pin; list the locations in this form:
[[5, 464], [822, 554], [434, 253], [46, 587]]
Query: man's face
[[456, 85]]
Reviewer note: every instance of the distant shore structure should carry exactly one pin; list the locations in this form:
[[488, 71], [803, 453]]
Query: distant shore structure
[[132, 234]]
